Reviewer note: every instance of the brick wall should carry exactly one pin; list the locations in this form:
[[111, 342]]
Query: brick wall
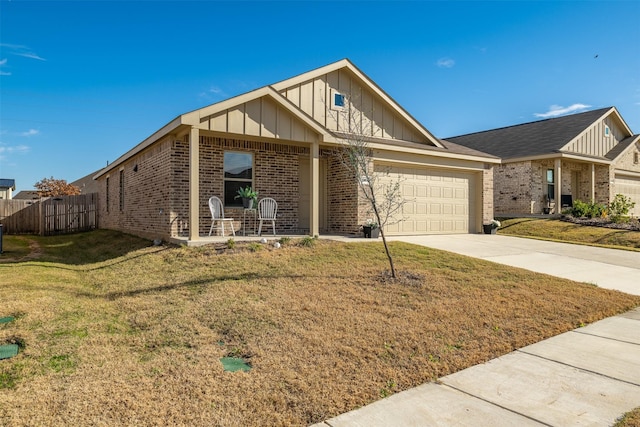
[[343, 212], [147, 191], [488, 209], [276, 172], [513, 188]]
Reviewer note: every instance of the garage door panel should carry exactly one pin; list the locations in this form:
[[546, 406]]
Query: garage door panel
[[436, 200], [629, 187]]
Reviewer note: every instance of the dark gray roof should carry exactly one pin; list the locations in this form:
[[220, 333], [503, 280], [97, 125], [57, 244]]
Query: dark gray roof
[[530, 139], [8, 183], [621, 146]]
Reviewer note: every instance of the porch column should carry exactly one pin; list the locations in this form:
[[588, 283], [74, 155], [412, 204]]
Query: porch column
[[314, 213], [558, 184], [593, 182], [194, 183]]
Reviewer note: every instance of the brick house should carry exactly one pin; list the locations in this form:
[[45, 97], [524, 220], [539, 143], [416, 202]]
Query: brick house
[[586, 156], [280, 140]]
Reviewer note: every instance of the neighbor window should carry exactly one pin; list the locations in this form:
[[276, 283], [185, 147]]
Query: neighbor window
[[551, 186], [238, 172], [607, 131], [122, 190], [635, 158]]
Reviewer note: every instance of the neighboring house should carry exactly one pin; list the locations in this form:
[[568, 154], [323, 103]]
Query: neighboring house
[[590, 156], [27, 195], [6, 188], [87, 184], [280, 139]]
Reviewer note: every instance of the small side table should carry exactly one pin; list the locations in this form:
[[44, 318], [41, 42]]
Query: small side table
[[249, 213]]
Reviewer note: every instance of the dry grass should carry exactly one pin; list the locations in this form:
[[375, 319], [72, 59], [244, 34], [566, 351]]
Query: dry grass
[[136, 337], [630, 419], [551, 229]]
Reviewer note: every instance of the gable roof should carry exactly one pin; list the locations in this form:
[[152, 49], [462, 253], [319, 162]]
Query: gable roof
[[622, 146], [531, 139], [369, 84], [7, 183], [203, 118]]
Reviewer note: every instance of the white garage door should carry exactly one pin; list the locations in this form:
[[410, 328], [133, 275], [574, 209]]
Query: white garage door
[[437, 201], [629, 187]]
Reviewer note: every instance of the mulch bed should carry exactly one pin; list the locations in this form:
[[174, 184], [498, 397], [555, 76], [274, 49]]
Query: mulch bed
[[631, 225]]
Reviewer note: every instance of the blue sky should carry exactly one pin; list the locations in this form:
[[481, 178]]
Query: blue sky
[[83, 82]]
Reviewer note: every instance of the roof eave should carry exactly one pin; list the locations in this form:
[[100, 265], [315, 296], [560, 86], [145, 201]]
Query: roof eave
[[345, 63]]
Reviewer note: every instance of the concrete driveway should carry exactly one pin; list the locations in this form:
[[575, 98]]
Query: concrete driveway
[[607, 268]]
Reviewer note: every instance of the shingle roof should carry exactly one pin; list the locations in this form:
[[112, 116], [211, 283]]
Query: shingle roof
[[7, 183], [621, 146], [530, 139]]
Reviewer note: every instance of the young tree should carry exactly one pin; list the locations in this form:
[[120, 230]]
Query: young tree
[[384, 200], [51, 187]]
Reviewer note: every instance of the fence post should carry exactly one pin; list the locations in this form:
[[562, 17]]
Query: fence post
[[1, 238]]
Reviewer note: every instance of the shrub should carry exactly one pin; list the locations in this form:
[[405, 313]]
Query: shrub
[[231, 244], [284, 240], [308, 241], [619, 207], [254, 247], [582, 209]]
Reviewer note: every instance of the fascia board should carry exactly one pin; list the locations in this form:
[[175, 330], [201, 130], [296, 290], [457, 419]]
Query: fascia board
[[555, 156], [433, 153], [630, 147], [345, 63], [193, 118], [165, 130], [610, 111]]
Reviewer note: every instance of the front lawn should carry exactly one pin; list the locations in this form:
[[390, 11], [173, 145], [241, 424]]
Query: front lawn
[[553, 229], [116, 332]]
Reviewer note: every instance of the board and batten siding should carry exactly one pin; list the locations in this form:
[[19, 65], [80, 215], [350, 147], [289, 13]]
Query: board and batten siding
[[594, 142], [379, 119], [260, 117]]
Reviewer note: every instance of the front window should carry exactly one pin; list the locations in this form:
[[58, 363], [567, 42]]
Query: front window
[[238, 172], [122, 190], [551, 186]]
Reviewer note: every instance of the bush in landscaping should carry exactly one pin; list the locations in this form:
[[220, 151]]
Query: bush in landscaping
[[582, 209], [620, 207]]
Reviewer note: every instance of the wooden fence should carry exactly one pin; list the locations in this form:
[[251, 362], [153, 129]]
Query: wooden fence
[[55, 215]]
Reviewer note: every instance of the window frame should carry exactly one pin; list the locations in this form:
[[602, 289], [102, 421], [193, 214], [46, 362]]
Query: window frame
[[121, 190], [230, 201], [551, 184]]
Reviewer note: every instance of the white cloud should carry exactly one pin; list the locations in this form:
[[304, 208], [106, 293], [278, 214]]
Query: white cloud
[[558, 110], [30, 132], [445, 63], [20, 50], [2, 64], [5, 150], [213, 93]]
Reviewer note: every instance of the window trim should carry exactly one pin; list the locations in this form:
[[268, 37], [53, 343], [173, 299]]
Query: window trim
[[551, 184], [121, 190], [334, 105], [251, 181], [107, 192]]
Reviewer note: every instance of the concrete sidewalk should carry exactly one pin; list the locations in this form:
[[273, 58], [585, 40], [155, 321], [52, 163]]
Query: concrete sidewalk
[[587, 377]]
